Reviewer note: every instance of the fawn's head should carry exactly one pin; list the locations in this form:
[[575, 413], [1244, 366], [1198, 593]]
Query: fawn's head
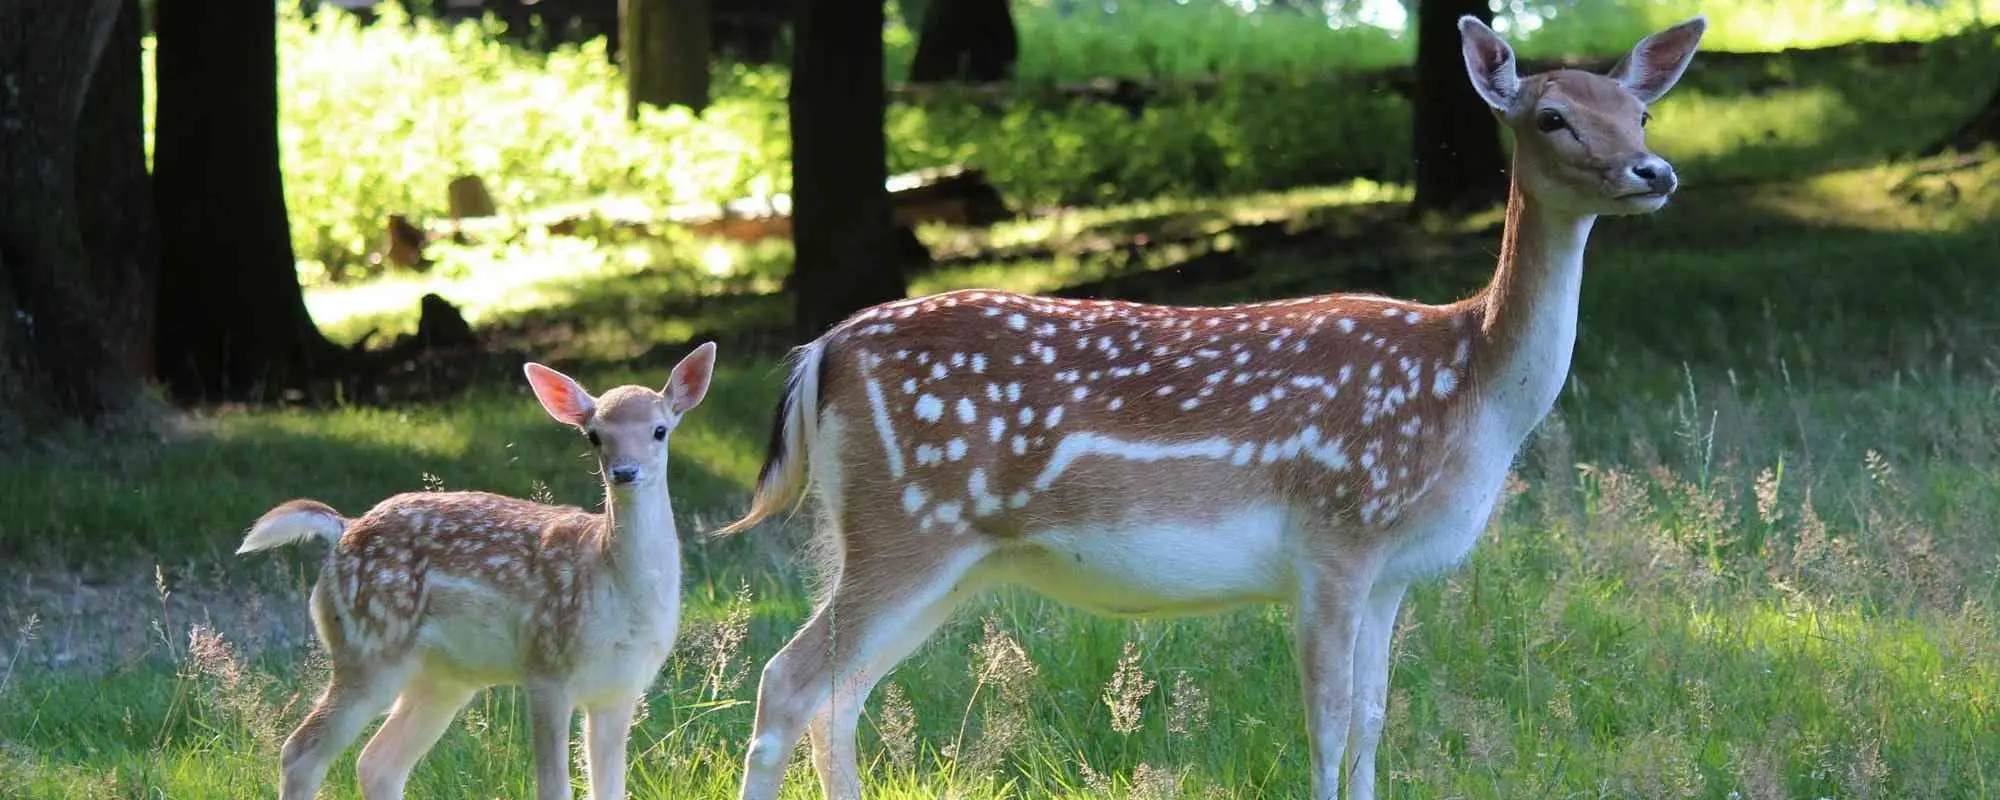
[[1579, 137], [627, 426]]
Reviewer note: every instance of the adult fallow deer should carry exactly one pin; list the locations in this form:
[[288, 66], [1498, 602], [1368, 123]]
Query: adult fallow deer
[[1162, 461]]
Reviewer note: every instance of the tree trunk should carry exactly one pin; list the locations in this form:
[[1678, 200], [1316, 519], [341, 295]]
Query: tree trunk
[[115, 193], [965, 40], [57, 355], [666, 52], [1459, 163], [1983, 128], [231, 320], [840, 208]]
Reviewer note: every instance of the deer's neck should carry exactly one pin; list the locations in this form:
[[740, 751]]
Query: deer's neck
[[1531, 306], [642, 546]]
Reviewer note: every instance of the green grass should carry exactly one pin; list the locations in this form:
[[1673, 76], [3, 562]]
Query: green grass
[[1750, 554]]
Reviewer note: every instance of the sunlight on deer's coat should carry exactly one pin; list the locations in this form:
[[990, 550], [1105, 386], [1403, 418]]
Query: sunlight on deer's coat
[[1162, 460], [432, 596]]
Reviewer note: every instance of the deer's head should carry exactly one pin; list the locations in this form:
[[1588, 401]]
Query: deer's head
[[627, 426], [1579, 137]]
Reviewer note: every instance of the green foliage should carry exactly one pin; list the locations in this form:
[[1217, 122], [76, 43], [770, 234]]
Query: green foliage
[[1241, 135], [377, 119]]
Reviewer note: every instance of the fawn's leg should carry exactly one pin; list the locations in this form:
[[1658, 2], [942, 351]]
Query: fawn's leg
[[550, 712], [1371, 685], [1333, 594], [352, 698], [419, 717], [604, 731], [832, 728], [874, 600]]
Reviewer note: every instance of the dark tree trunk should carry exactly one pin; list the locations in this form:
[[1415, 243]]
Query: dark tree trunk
[[57, 355], [1983, 128], [840, 209], [666, 47], [231, 320], [965, 40], [115, 193], [1459, 163]]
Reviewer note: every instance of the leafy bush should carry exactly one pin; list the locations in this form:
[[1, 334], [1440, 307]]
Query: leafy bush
[[379, 118]]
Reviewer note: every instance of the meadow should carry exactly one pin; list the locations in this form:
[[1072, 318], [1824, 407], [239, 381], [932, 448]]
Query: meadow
[[1751, 555]]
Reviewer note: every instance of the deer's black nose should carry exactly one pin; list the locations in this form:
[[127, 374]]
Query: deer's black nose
[[624, 473], [1655, 173]]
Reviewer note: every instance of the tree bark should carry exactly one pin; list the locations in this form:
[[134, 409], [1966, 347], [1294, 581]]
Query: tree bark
[[840, 208], [1458, 159], [666, 48], [115, 193], [57, 355], [231, 321], [965, 40]]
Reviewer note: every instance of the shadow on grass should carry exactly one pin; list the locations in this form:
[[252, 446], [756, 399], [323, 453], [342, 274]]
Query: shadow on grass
[[192, 496]]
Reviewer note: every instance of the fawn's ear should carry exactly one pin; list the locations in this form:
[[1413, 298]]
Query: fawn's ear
[[689, 383], [1657, 61], [1489, 62], [562, 397]]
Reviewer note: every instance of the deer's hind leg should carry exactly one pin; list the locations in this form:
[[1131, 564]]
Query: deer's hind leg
[[421, 715], [832, 729], [885, 602], [365, 680]]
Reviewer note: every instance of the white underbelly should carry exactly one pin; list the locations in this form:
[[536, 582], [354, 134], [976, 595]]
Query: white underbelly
[[477, 636], [473, 632], [1157, 569]]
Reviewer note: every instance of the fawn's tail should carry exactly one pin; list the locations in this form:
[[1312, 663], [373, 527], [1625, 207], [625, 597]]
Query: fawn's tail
[[795, 423], [294, 521]]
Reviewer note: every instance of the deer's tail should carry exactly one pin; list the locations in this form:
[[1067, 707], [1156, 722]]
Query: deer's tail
[[294, 521], [782, 481]]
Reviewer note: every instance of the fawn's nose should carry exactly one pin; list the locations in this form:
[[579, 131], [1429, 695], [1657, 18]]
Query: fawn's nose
[[625, 474], [1655, 174]]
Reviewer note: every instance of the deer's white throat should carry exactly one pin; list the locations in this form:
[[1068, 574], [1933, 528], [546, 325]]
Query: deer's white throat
[[1532, 312]]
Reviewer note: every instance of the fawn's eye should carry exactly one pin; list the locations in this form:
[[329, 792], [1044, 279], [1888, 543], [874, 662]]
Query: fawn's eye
[[1549, 120], [1645, 117], [594, 441], [659, 433]]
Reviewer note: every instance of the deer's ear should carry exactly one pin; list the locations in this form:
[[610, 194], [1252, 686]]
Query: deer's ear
[[689, 382], [561, 396], [1489, 62], [1657, 61]]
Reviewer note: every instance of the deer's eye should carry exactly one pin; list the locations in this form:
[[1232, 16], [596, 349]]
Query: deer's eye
[[1645, 117], [594, 441], [1549, 120], [659, 433]]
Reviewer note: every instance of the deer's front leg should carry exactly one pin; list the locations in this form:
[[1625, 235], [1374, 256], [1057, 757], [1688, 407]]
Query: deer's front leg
[[604, 733], [550, 713], [1332, 599], [1371, 685]]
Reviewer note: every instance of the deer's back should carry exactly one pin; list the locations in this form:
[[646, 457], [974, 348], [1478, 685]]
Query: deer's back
[[485, 582]]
